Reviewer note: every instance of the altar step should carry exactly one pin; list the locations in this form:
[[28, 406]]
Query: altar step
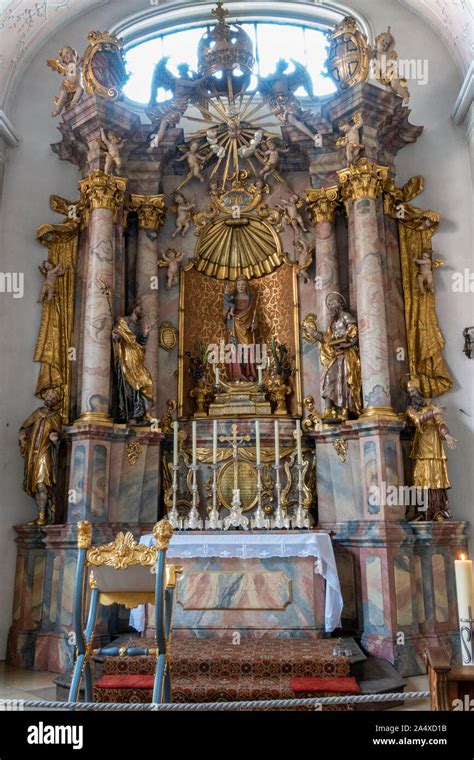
[[216, 670]]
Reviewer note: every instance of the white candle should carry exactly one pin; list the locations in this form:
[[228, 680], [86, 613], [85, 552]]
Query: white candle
[[298, 442], [260, 375], [216, 370], [464, 587], [277, 443], [194, 429], [175, 443], [214, 442], [257, 441]]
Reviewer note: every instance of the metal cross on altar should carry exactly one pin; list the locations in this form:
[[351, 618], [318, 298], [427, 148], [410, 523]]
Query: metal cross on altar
[[235, 443], [219, 12]]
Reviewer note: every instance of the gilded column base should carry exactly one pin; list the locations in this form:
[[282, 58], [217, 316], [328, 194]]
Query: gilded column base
[[379, 412], [101, 418]]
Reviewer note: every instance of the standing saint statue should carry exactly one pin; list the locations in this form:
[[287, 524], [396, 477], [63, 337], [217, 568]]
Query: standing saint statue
[[339, 353], [239, 310], [135, 386], [427, 452], [38, 439]]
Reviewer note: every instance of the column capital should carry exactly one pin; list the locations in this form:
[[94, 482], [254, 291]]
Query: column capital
[[363, 179], [322, 203], [100, 190], [151, 210]]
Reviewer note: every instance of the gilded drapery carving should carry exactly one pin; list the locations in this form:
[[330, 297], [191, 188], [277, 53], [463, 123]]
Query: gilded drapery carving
[[55, 333]]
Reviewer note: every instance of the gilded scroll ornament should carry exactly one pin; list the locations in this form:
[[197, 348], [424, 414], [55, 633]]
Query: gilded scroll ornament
[[57, 318], [340, 445], [314, 419], [349, 55], [322, 203], [103, 65], [309, 327], [166, 422], [133, 449], [121, 553]]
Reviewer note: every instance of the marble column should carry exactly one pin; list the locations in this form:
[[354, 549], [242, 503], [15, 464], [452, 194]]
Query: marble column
[[362, 185], [322, 204], [151, 213], [103, 196]]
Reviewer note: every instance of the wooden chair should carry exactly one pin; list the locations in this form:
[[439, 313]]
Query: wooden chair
[[129, 573], [451, 686]]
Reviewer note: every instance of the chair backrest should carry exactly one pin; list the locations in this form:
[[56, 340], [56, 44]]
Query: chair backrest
[[123, 565]]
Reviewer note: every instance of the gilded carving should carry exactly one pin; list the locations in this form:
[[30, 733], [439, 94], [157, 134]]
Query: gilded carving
[[133, 449], [103, 66], [340, 445], [322, 203], [363, 179], [151, 210], [121, 553], [100, 190], [163, 533], [84, 534], [349, 54]]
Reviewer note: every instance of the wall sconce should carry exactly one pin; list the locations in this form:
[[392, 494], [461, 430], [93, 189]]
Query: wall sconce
[[468, 334]]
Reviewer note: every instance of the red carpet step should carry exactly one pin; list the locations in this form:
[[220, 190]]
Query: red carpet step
[[215, 670]]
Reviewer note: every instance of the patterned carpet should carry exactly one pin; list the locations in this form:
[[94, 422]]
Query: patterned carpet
[[215, 670]]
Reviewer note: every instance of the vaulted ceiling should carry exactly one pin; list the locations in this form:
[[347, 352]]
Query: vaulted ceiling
[[26, 24]]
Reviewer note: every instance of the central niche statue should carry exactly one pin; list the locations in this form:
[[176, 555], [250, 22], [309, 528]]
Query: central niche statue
[[135, 386], [339, 353], [239, 310]]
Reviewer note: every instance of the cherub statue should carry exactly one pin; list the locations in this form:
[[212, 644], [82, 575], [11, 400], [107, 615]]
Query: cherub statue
[[194, 159], [69, 66], [113, 143], [184, 214], [385, 58], [171, 259], [305, 258], [186, 88], [246, 151], [425, 274], [350, 139], [271, 156], [291, 213], [213, 142], [51, 273]]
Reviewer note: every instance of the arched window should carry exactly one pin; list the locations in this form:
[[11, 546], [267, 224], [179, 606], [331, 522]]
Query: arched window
[[272, 41]]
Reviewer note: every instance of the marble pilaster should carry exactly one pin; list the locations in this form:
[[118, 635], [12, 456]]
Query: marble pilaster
[[361, 187], [103, 196], [151, 215]]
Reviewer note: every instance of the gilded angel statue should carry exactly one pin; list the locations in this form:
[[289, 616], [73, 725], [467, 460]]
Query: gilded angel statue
[[187, 87], [69, 66], [271, 157], [291, 215], [171, 259], [195, 159]]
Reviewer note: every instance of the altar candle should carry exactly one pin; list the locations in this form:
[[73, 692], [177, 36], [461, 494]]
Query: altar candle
[[257, 441], [298, 442], [175, 443], [214, 442], [217, 375], [260, 375], [277, 443], [464, 587], [194, 430]]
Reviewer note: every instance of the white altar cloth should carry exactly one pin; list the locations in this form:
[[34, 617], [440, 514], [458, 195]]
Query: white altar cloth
[[258, 545]]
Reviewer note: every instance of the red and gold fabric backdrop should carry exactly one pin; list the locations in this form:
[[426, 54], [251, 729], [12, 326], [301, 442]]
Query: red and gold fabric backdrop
[[201, 321]]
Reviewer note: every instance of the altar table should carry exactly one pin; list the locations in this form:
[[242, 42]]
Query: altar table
[[258, 581]]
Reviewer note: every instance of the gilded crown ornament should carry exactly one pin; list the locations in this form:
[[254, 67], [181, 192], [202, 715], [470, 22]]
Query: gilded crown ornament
[[226, 47]]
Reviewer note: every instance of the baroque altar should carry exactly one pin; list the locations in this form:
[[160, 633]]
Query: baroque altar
[[239, 331]]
